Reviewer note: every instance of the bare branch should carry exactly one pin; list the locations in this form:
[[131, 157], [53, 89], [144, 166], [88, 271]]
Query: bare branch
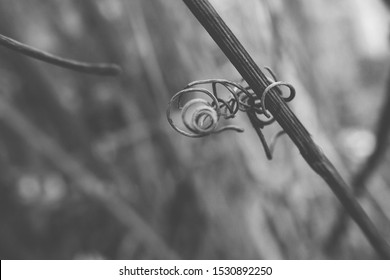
[[90, 68]]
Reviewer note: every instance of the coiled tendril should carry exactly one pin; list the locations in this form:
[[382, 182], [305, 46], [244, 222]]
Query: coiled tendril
[[201, 116]]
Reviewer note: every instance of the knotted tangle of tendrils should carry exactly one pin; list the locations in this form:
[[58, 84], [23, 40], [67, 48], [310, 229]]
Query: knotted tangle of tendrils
[[201, 109]]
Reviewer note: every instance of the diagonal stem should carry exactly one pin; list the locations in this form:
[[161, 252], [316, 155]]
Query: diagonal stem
[[313, 155]]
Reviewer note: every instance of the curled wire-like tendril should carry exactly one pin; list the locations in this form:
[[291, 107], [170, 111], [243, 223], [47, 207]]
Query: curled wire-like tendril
[[231, 106], [201, 116], [271, 86]]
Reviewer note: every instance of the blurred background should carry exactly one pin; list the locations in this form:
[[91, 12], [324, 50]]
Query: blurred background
[[91, 169]]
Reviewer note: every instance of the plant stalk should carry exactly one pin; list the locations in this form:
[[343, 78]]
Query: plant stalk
[[256, 79]]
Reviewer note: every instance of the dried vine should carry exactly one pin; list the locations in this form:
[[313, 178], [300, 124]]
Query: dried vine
[[201, 117], [258, 82]]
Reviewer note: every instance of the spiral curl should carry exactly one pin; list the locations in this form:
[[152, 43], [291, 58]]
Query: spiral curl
[[202, 116]]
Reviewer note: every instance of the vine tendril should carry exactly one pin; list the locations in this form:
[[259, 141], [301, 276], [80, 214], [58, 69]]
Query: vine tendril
[[201, 116]]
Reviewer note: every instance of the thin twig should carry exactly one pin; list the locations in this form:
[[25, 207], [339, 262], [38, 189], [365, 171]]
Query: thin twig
[[313, 155], [103, 69]]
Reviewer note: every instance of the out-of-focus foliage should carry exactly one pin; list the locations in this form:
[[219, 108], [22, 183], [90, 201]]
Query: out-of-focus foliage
[[159, 194]]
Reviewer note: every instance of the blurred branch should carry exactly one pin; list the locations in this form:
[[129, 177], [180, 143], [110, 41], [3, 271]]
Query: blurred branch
[[361, 177], [83, 178], [147, 51], [359, 181], [90, 68], [382, 141], [256, 79], [341, 225]]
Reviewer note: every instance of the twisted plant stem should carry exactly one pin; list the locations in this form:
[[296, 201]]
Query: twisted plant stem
[[90, 68], [256, 79]]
